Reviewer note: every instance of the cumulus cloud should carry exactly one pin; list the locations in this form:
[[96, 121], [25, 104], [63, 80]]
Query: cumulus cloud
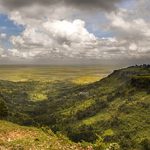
[[136, 28], [54, 37], [133, 29]]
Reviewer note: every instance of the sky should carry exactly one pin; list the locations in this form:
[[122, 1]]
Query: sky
[[74, 31]]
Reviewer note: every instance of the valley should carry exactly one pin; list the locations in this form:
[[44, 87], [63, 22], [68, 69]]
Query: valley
[[91, 106]]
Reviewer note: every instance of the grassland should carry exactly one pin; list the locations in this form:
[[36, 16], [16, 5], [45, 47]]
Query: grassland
[[75, 74]]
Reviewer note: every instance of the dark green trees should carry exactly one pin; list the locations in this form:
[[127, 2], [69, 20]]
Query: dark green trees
[[3, 109]]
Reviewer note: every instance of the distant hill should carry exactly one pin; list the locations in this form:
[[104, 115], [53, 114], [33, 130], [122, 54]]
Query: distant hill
[[110, 113]]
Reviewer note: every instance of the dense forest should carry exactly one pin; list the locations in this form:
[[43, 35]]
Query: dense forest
[[112, 113]]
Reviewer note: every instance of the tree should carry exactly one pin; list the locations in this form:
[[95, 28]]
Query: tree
[[3, 109]]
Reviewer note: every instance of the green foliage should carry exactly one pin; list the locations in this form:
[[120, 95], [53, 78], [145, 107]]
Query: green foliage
[[101, 145], [3, 109], [141, 81], [84, 133]]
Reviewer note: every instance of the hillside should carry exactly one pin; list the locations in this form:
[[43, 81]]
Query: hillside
[[113, 112], [14, 137]]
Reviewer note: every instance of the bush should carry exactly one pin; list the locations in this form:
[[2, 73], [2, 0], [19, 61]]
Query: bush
[[84, 133]]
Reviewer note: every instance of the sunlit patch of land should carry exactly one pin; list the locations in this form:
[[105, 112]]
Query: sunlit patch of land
[[87, 79], [74, 74], [36, 96], [78, 106]]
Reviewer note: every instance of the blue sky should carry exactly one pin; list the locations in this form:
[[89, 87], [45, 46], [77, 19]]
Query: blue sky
[[8, 26]]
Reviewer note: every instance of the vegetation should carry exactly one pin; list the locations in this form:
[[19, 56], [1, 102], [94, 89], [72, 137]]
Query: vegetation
[[75, 74], [17, 137], [112, 113], [3, 109]]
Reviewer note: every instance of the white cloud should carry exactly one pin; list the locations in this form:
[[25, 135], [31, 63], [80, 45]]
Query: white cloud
[[3, 35], [120, 22], [133, 30], [70, 31], [133, 47], [59, 37]]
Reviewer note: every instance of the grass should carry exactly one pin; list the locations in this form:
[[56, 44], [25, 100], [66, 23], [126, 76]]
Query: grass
[[15, 137], [98, 117], [75, 74], [77, 107]]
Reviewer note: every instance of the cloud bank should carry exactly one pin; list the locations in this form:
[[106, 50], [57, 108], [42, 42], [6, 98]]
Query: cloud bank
[[107, 5], [57, 31]]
